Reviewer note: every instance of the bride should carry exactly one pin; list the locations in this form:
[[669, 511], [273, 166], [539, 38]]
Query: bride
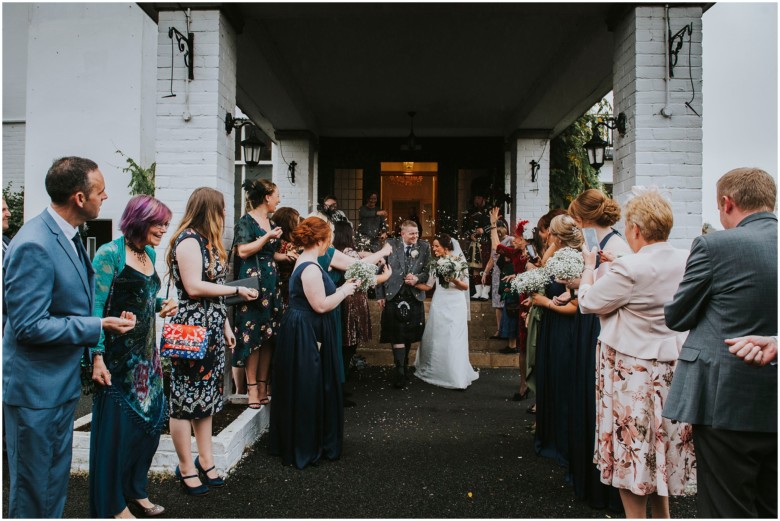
[[443, 356]]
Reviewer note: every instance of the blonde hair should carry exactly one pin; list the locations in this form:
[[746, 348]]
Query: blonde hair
[[653, 214], [565, 228], [205, 213], [501, 231], [749, 188], [595, 207]]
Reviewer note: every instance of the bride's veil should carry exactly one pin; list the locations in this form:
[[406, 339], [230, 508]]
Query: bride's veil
[[456, 250]]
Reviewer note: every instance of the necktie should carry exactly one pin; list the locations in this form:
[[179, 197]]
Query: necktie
[[408, 250], [80, 249]]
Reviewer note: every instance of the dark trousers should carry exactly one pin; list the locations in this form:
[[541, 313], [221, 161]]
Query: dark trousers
[[736, 473], [40, 446]]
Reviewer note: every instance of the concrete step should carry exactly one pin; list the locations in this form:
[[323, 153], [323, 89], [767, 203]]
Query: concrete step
[[483, 351]]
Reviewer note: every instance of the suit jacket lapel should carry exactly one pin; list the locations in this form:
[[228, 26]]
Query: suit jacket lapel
[[67, 245]]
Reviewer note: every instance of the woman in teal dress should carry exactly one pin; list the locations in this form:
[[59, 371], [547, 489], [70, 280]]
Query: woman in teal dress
[[129, 412], [257, 323]]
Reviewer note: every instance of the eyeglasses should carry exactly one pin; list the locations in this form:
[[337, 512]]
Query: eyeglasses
[[162, 225]]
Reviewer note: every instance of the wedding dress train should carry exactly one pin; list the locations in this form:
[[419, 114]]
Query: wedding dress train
[[443, 356]]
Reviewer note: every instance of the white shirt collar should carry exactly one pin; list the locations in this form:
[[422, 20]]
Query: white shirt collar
[[68, 229]]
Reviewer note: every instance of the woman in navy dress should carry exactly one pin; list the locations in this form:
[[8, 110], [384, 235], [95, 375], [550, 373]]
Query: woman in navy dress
[[307, 417], [591, 209], [554, 355]]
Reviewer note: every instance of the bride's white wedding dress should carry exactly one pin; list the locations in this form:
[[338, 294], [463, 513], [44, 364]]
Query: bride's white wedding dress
[[443, 356]]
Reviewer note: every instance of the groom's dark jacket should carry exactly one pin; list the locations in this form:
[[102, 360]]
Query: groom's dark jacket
[[417, 264]]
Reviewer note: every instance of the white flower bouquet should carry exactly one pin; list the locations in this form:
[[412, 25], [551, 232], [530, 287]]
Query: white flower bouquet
[[364, 273], [449, 267], [531, 281], [566, 264]]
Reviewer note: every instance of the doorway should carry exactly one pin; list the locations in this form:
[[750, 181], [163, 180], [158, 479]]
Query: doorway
[[408, 191]]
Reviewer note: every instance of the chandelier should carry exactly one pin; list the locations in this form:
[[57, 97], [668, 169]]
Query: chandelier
[[406, 180]]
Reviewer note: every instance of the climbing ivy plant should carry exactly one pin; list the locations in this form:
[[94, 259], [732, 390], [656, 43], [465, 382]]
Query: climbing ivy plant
[[570, 172]]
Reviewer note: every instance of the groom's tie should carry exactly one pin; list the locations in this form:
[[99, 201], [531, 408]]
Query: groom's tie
[[408, 250]]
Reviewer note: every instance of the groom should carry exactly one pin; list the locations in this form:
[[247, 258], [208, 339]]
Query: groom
[[403, 313]]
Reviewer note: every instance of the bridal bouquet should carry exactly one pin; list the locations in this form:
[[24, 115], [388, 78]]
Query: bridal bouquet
[[364, 273], [449, 267], [566, 264], [531, 281]]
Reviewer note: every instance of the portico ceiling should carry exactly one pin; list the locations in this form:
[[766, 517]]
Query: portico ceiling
[[355, 70]]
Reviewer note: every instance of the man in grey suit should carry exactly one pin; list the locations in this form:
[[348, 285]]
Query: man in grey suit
[[730, 290], [403, 312], [49, 288]]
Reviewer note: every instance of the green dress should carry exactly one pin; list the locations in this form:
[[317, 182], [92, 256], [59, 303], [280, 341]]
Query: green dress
[[257, 321]]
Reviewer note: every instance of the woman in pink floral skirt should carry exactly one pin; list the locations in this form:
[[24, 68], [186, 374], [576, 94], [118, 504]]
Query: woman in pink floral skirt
[[645, 456]]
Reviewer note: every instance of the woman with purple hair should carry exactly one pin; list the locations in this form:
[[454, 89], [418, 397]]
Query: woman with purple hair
[[129, 411]]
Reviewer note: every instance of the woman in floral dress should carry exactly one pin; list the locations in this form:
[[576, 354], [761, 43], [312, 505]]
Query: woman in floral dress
[[257, 323], [197, 264], [637, 450], [128, 414]]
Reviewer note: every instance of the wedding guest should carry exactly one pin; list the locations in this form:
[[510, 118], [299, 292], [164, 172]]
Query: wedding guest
[[355, 316], [591, 209], [373, 223], [729, 290], [646, 457], [554, 365], [403, 313], [307, 419], [443, 356], [129, 408], [287, 219], [257, 323], [49, 289], [6, 242], [330, 210], [512, 327], [197, 264], [477, 222], [492, 273], [541, 242]]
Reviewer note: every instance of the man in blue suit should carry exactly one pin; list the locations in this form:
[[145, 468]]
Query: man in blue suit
[[729, 290], [49, 289]]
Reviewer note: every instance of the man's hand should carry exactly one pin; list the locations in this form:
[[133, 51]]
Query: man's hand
[[411, 280], [119, 325], [754, 350], [381, 303]]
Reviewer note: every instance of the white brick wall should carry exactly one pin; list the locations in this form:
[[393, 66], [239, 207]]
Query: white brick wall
[[533, 199], [303, 194], [13, 154], [192, 147], [658, 150]]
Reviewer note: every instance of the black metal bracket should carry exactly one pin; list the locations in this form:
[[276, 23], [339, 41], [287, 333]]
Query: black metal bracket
[[187, 46], [535, 166], [675, 44]]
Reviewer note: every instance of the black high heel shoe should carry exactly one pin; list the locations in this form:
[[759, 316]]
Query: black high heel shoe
[[212, 482], [200, 490]]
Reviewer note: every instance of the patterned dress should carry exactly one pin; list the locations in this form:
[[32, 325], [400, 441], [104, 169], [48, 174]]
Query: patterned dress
[[257, 321], [197, 385], [355, 316], [128, 415]]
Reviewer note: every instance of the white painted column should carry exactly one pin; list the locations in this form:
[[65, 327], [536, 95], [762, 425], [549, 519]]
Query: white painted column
[[298, 146], [532, 198], [658, 149], [193, 149]]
